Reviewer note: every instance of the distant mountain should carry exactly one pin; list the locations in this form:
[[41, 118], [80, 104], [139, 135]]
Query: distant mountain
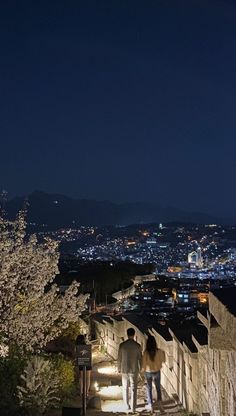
[[56, 211]]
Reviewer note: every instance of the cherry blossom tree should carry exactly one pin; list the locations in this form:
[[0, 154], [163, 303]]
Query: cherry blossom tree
[[32, 311]]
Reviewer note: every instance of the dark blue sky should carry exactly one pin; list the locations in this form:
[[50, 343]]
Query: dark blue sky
[[120, 100]]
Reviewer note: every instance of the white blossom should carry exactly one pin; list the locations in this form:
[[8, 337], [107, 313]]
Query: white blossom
[[32, 311], [4, 350]]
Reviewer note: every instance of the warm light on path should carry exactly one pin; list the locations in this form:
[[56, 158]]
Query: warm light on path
[[109, 370], [110, 393], [107, 386], [113, 406]]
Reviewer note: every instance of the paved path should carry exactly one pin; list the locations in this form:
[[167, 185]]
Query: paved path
[[106, 392]]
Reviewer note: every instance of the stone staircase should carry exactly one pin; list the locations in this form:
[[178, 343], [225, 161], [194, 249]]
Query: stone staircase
[[107, 400]]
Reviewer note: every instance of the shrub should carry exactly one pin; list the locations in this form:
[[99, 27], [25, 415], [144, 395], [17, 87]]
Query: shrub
[[11, 368], [39, 389], [64, 368]]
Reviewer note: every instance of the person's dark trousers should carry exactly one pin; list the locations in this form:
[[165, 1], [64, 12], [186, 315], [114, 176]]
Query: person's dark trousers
[[150, 377]]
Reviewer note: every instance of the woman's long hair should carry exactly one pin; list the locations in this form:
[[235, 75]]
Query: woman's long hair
[[151, 347], [80, 340]]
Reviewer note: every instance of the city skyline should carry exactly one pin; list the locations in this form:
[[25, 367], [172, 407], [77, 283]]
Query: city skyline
[[123, 102]]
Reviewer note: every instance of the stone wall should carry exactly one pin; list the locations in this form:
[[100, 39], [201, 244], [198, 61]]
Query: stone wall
[[203, 381], [221, 360], [125, 293]]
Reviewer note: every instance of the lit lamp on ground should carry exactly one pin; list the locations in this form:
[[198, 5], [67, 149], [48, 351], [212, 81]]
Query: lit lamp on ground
[[96, 386]]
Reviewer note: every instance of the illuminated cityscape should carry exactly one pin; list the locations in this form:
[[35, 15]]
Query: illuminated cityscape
[[118, 208], [185, 262], [203, 251]]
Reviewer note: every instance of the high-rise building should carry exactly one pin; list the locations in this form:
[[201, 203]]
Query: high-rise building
[[195, 258]]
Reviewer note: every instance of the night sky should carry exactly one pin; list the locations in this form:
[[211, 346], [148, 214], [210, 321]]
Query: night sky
[[120, 100]]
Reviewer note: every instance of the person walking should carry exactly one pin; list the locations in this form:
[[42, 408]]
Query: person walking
[[129, 365], [152, 361]]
